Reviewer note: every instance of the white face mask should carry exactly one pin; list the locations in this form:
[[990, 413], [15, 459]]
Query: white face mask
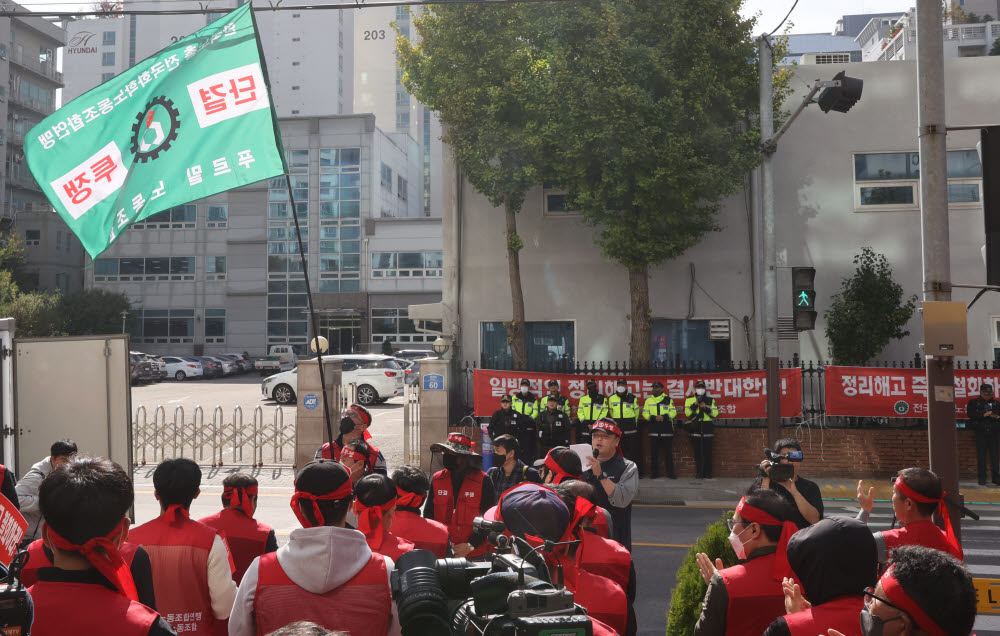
[[620, 389], [524, 390], [699, 391], [738, 546]]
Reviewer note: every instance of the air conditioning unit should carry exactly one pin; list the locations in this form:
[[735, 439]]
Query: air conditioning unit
[[718, 330], [825, 58]]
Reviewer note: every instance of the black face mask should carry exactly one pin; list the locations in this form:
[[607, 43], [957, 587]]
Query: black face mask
[[592, 390], [657, 392], [450, 462], [346, 425]]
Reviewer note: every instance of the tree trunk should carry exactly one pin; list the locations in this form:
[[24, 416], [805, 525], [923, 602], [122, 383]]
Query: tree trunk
[[640, 351], [516, 337]]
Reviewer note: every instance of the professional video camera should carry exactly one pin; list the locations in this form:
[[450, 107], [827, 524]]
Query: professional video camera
[[507, 595], [781, 472], [15, 606]]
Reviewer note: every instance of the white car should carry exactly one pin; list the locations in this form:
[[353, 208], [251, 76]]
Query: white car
[[377, 377], [181, 369]]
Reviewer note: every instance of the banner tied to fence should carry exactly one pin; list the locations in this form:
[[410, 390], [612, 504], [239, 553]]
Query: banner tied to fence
[[738, 395], [873, 392]]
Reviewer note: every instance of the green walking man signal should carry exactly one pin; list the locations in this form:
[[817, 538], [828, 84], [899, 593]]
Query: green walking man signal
[[804, 298]]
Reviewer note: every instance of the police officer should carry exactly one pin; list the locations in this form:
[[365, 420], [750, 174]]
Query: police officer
[[553, 427], [525, 402], [561, 400], [623, 408], [700, 410], [591, 407], [984, 420], [659, 411], [503, 421]]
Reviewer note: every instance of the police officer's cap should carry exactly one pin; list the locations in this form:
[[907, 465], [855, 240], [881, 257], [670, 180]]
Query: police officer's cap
[[700, 384], [986, 387], [505, 398], [553, 383], [553, 398], [657, 385], [525, 382], [622, 381]]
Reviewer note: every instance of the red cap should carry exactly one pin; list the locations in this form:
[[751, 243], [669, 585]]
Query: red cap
[[607, 425]]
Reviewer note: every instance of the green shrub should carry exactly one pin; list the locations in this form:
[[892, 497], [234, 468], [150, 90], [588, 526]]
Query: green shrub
[[685, 604]]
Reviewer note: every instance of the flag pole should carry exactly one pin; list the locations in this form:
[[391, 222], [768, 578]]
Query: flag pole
[[312, 309]]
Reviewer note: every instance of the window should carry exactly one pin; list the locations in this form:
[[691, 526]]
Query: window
[[549, 343], [180, 217], [555, 199], [109, 38], [107, 76], [217, 216], [386, 177], [402, 98], [403, 120], [891, 181], [833, 58], [215, 326], [58, 240], [394, 325], [108, 58], [212, 17], [401, 188], [176, 268], [688, 342], [164, 326], [406, 264], [215, 268]]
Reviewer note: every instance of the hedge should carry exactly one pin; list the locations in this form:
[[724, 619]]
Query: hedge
[[685, 604]]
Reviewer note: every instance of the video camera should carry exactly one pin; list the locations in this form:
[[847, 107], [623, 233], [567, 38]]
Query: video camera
[[15, 606], [781, 472], [506, 595]]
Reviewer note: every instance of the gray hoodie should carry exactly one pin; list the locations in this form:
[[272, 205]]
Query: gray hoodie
[[317, 560], [27, 496]]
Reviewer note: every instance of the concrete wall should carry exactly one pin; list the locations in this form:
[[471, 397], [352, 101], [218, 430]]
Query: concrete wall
[[565, 277]]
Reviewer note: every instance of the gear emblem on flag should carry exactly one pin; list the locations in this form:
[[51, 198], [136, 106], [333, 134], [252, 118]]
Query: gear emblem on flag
[[155, 129], [901, 407]]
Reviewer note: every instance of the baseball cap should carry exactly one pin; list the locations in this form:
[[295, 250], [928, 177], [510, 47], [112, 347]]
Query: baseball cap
[[700, 384], [606, 425], [657, 385], [540, 511], [505, 398]]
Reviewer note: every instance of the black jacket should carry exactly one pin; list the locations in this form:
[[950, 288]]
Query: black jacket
[[976, 408], [553, 428], [503, 423]]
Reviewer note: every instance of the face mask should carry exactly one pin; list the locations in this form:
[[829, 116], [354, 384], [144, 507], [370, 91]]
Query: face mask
[[450, 462], [346, 425], [524, 390], [699, 391], [872, 625], [620, 389], [592, 389], [738, 547], [657, 392]]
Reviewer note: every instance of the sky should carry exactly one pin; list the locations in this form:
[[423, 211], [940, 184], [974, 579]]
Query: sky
[[816, 16]]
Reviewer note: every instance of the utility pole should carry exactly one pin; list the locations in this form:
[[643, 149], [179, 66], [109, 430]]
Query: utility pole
[[770, 283], [934, 239]]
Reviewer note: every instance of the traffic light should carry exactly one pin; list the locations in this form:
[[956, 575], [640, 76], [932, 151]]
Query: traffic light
[[804, 298], [841, 98], [989, 156]]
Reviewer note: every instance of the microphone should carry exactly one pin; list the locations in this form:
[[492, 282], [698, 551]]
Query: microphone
[[596, 453]]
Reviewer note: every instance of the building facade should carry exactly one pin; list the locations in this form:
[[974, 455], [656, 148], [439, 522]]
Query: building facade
[[224, 273], [843, 182]]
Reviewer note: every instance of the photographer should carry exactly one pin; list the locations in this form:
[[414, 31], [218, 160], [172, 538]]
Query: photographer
[[615, 479], [354, 424], [326, 573], [411, 491], [805, 495], [984, 413], [700, 410], [461, 492]]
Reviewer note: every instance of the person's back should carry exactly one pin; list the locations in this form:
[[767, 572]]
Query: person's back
[[89, 589], [411, 491], [192, 568], [247, 537], [376, 509]]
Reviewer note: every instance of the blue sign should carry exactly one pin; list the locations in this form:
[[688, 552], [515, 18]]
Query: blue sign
[[433, 382], [310, 401]]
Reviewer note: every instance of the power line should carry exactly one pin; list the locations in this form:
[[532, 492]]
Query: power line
[[358, 4], [794, 4]]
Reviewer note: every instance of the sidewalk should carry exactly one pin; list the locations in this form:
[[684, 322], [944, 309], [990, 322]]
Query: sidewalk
[[727, 491]]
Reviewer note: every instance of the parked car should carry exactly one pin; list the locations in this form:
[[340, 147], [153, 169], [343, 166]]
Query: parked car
[[233, 360], [140, 371], [228, 366], [211, 367], [377, 377], [411, 370], [181, 369], [269, 365], [158, 370], [415, 354], [161, 368], [246, 364], [285, 353]]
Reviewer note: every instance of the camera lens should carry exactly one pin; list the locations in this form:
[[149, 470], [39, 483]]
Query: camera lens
[[420, 601]]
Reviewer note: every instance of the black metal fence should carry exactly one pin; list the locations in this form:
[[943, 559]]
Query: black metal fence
[[813, 395]]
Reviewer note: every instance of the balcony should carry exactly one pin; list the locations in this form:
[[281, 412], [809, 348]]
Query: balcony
[[42, 69], [20, 177], [40, 107]]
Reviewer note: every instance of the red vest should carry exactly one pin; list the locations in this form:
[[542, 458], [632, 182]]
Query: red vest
[[458, 515], [426, 534], [755, 598], [604, 599], [604, 557], [335, 455], [178, 551], [840, 614], [86, 608], [600, 523], [362, 606], [37, 559], [392, 546], [246, 537], [923, 533]]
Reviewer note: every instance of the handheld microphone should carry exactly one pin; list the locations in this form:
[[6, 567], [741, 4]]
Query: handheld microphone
[[596, 453]]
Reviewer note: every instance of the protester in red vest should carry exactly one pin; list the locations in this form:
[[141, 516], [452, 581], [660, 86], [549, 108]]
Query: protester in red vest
[[461, 492], [916, 496], [924, 591], [89, 590], [744, 599], [375, 505], [354, 425], [247, 538], [326, 573], [599, 520], [560, 464], [192, 567], [834, 561], [411, 491]]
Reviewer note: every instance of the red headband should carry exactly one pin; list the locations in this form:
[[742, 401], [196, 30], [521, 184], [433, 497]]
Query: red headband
[[606, 426], [788, 528], [896, 595], [350, 453], [103, 554], [583, 510], [408, 499], [553, 465], [942, 510], [176, 512], [370, 522], [458, 438], [365, 416], [345, 490], [240, 498]]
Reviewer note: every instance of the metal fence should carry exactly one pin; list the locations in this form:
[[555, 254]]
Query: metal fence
[[813, 397], [265, 435], [411, 425]]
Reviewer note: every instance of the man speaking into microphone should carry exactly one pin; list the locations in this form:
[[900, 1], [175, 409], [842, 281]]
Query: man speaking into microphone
[[615, 479]]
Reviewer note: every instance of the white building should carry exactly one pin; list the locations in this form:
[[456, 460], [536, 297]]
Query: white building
[[883, 42]]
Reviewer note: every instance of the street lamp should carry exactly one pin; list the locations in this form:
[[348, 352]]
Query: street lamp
[[124, 315], [440, 347]]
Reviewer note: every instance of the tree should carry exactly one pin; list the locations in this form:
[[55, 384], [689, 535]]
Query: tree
[[479, 67], [94, 311], [685, 601], [996, 48], [669, 93], [868, 312], [36, 314]]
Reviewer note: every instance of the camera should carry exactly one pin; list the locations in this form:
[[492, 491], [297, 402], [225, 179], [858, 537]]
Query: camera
[[781, 472], [15, 605], [507, 595]]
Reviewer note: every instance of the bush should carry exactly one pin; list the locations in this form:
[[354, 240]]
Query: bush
[[685, 604]]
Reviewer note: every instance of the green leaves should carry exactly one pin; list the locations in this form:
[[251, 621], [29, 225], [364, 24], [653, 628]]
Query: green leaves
[[868, 312]]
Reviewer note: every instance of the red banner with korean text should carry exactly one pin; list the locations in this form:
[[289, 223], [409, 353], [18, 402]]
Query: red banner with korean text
[[12, 529], [738, 395], [874, 392]]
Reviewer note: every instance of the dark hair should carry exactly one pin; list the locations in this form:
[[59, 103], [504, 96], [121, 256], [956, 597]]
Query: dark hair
[[85, 498], [580, 489], [375, 490], [176, 481], [507, 442], [63, 448], [788, 442], [925, 483], [360, 446], [567, 495], [568, 460], [411, 479], [773, 504], [304, 628], [939, 584], [237, 480], [317, 478]]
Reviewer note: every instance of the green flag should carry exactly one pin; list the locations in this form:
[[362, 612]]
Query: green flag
[[190, 121]]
